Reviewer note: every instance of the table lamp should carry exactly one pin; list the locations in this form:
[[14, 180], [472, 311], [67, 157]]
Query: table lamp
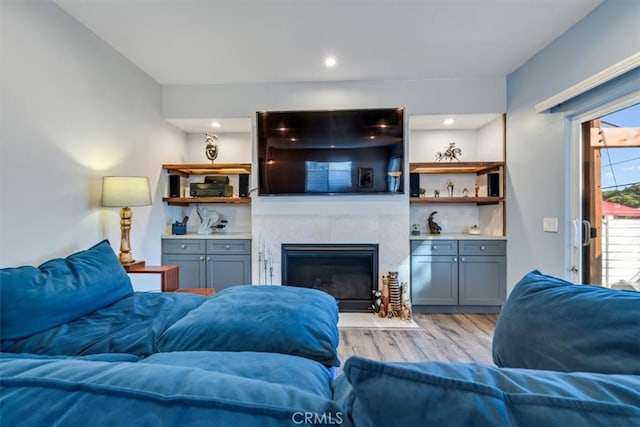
[[123, 192]]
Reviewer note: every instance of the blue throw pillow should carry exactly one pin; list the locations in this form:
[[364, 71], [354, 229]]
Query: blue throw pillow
[[273, 319], [89, 393], [34, 299], [465, 394], [549, 323]]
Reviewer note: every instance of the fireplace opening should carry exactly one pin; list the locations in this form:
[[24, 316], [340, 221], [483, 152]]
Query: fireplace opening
[[347, 271]]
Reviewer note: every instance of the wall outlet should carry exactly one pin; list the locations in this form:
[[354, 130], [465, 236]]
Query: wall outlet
[[550, 225]]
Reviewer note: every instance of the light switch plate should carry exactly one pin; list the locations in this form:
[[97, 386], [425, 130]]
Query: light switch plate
[[550, 225]]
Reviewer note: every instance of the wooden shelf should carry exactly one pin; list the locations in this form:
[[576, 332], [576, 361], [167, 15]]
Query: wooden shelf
[[476, 200], [479, 168], [186, 169], [185, 201]]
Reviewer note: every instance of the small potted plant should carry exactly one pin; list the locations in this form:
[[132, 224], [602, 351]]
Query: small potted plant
[[423, 192]]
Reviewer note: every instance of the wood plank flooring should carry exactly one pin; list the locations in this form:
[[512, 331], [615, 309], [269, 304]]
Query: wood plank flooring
[[441, 337]]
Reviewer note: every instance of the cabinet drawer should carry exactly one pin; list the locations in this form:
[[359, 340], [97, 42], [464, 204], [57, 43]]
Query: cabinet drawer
[[434, 247], [233, 246], [183, 246], [482, 247]]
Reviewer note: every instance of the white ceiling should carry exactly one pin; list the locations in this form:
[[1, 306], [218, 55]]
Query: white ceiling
[[192, 42]]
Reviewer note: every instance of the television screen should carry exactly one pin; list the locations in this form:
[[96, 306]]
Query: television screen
[[331, 152]]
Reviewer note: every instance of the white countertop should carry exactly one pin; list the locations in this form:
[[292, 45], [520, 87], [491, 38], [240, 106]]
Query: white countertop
[[456, 236], [222, 235]]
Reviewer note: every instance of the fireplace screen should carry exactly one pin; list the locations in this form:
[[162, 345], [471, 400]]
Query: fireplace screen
[[347, 271]]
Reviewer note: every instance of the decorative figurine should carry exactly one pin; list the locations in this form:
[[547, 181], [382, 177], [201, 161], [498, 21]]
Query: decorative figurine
[[434, 228], [405, 311], [477, 189], [436, 193], [423, 192], [465, 192], [395, 297], [377, 301], [452, 152], [415, 229], [212, 148], [384, 308]]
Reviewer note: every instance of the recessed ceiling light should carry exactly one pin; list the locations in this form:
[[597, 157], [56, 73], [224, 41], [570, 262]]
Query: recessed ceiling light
[[215, 124], [330, 61], [449, 121]]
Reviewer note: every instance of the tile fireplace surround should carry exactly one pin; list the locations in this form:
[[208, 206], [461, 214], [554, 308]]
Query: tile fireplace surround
[[389, 231]]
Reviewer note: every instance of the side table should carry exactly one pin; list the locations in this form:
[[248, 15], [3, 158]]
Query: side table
[[199, 291], [169, 274]]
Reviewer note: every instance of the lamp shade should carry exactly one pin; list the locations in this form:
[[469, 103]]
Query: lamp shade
[[121, 191]]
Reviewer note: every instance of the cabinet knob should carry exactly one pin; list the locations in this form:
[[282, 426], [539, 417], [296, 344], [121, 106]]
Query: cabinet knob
[[455, 259], [201, 258], [208, 258], [227, 246], [461, 259], [183, 246], [434, 247], [482, 248]]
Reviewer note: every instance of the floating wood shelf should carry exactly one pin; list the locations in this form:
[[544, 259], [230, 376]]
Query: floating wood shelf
[[476, 200], [186, 169], [186, 201], [478, 168]]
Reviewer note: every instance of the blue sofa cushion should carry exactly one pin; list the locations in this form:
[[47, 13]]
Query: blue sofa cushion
[[273, 319], [34, 299], [464, 394], [273, 368], [76, 392], [549, 323], [130, 325]]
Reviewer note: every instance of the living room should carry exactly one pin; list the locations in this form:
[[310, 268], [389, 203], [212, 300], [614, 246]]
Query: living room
[[78, 110], [75, 109]]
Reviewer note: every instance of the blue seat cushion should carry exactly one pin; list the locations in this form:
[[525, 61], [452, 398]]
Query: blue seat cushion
[[273, 368], [78, 392], [464, 394], [549, 323], [272, 319], [34, 299]]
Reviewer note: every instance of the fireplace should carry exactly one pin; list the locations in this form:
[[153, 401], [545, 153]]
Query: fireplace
[[347, 271]]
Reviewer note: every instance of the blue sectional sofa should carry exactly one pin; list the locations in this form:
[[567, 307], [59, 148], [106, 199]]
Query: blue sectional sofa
[[79, 347]]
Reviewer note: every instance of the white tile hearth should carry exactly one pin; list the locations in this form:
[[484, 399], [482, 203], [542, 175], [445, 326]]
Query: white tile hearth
[[372, 321]]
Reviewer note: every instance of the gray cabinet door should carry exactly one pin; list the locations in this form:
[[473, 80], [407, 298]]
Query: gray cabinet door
[[192, 269], [434, 280], [482, 280], [224, 271]]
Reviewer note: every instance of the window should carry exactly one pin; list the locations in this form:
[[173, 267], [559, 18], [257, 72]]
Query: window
[[328, 177]]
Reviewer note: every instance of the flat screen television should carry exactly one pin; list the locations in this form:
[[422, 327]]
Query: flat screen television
[[331, 152]]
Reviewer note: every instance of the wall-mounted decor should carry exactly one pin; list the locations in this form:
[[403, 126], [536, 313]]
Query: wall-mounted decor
[[211, 148], [365, 177]]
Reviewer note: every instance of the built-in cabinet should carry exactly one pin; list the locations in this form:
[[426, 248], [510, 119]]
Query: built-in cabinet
[[209, 263], [452, 273], [466, 191]]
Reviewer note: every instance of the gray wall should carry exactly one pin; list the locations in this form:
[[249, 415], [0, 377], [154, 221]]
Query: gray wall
[[73, 110], [538, 145]]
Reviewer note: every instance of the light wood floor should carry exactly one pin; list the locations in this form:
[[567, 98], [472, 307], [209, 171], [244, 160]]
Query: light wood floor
[[441, 337]]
